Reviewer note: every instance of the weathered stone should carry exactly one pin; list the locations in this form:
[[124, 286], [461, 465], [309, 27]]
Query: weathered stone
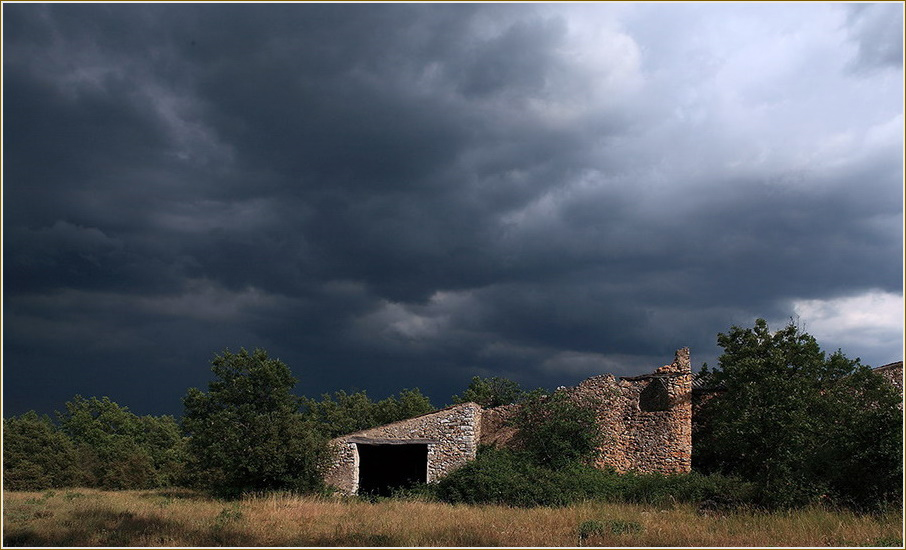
[[450, 436], [653, 437]]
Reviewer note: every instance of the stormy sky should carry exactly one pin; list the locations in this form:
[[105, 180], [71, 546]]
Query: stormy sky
[[387, 196]]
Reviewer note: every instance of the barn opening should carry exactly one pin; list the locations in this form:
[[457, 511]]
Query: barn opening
[[385, 467]]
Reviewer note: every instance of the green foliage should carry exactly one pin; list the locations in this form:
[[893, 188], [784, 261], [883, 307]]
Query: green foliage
[[407, 404], [558, 430], [799, 423], [161, 437], [513, 478], [343, 413], [117, 449], [491, 392], [501, 476], [246, 433], [36, 454]]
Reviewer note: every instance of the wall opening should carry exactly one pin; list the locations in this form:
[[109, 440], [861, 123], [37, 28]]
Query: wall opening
[[383, 468], [655, 396]]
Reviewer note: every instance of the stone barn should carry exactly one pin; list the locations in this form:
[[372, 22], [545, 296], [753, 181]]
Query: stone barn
[[646, 422], [421, 449]]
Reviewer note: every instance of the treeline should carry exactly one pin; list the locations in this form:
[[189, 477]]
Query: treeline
[[248, 432], [787, 426]]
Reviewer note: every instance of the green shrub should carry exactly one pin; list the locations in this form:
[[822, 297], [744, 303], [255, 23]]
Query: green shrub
[[557, 431], [36, 454], [501, 476]]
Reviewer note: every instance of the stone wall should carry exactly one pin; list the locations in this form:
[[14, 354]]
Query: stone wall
[[451, 434], [645, 421]]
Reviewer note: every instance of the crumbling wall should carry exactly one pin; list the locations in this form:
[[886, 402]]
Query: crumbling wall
[[495, 426], [451, 435], [893, 373], [645, 421]]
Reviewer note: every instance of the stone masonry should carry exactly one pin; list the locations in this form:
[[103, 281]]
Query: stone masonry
[[645, 421], [451, 436]]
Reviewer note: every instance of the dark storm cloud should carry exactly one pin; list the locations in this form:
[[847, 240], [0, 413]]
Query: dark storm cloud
[[389, 196]]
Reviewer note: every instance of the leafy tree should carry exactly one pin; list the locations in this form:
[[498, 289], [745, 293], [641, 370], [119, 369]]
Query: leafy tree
[[161, 437], [343, 413], [491, 392], [558, 430], [109, 440], [340, 413], [799, 423], [408, 404], [36, 454], [246, 433]]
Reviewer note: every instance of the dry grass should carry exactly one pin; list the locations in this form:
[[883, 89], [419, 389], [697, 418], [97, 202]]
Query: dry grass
[[85, 517]]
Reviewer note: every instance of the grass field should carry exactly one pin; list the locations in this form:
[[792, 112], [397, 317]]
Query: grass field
[[86, 517]]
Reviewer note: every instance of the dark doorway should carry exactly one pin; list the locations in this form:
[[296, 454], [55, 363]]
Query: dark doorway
[[383, 468]]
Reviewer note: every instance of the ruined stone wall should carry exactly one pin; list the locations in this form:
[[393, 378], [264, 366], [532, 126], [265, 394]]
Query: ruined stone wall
[[495, 428], [451, 434], [658, 418], [893, 373], [645, 421]]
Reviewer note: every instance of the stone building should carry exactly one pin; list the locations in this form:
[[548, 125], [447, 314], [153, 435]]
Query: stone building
[[645, 421], [421, 449]]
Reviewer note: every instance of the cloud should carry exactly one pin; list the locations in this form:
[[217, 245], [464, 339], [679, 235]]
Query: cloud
[[399, 194], [870, 320], [878, 33]]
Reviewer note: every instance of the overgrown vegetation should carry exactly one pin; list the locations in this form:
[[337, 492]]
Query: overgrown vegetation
[[802, 425], [790, 427], [514, 478], [493, 392], [558, 431]]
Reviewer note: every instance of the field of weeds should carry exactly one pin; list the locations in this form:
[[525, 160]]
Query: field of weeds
[[86, 517]]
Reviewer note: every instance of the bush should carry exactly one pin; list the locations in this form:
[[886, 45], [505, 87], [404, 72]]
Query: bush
[[116, 449], [512, 478], [36, 454], [558, 431]]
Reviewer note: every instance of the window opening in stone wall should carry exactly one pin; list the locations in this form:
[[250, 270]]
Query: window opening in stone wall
[[383, 468], [654, 397]]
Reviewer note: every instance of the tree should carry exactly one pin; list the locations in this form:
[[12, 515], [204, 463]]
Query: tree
[[246, 433], [799, 423], [161, 437], [408, 404], [491, 392], [558, 430], [343, 413], [109, 440], [36, 454]]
